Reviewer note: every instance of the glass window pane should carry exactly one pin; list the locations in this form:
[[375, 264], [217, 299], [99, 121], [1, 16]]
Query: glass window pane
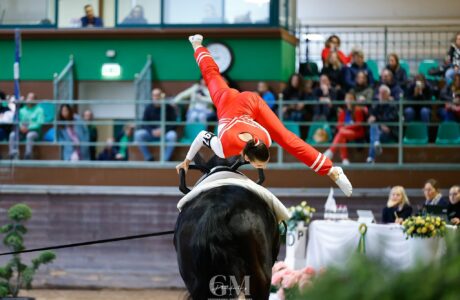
[[139, 12], [71, 11], [282, 13], [193, 12], [247, 11], [27, 12]]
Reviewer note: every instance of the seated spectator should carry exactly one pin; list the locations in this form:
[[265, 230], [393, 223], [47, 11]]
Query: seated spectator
[[136, 16], [31, 119], [90, 20], [452, 89], [109, 152], [6, 117], [362, 91], [266, 93], [386, 78], [349, 128], [384, 111], [433, 195], [399, 74], [441, 69], [153, 132], [200, 105], [325, 110], [418, 90], [453, 210], [398, 207], [332, 44], [124, 140], [454, 57], [73, 133], [294, 92], [451, 111], [88, 117], [333, 70], [358, 64]]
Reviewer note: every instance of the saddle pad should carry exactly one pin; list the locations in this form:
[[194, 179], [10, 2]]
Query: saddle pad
[[230, 178]]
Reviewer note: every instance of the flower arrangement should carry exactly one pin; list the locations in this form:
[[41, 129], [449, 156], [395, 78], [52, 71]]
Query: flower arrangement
[[301, 212], [424, 226], [289, 283]]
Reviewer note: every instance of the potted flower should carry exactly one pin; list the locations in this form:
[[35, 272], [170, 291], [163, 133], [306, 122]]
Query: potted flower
[[425, 232], [424, 227], [296, 236], [300, 214], [15, 274]]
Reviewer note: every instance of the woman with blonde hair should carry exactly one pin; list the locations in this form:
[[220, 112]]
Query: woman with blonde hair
[[398, 206]]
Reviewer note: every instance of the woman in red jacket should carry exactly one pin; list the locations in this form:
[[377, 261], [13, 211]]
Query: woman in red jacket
[[349, 128], [332, 44], [247, 126]]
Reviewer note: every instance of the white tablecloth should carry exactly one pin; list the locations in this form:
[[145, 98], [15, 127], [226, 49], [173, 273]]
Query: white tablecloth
[[333, 243]]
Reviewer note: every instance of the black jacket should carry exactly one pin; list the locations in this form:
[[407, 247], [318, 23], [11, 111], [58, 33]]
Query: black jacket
[[153, 113], [388, 213]]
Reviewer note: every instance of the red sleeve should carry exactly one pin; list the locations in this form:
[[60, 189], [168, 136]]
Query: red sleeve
[[343, 58]]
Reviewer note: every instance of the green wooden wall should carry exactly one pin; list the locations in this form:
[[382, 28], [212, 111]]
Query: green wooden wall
[[254, 59]]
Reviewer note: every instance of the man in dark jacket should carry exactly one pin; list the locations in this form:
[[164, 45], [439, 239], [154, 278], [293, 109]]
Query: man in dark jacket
[[384, 111], [386, 78], [153, 132], [453, 210], [349, 73], [90, 20]]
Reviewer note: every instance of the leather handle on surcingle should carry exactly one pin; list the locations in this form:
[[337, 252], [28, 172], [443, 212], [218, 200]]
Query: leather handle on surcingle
[[182, 182], [261, 179]]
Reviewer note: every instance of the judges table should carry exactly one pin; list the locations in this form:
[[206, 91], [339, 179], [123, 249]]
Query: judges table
[[332, 243]]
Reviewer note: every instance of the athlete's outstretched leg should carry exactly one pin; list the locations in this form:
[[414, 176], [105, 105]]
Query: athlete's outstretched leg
[[317, 161], [218, 88]]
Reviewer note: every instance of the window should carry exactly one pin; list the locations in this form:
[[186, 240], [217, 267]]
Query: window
[[28, 12], [140, 12]]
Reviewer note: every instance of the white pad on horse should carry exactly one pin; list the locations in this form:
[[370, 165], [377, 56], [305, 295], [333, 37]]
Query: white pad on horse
[[230, 178]]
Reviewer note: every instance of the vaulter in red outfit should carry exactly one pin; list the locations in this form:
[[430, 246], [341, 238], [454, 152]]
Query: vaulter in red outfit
[[246, 123]]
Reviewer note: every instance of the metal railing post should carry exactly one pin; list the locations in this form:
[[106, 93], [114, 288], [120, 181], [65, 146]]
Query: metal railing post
[[163, 130], [400, 132]]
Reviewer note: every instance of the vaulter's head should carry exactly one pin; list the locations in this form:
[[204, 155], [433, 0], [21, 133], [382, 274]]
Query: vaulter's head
[[256, 153]]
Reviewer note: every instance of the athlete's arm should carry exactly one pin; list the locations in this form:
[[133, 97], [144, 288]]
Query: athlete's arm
[[207, 139]]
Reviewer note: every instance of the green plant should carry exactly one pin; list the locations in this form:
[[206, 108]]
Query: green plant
[[15, 274]]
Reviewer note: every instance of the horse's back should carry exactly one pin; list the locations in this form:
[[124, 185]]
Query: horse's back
[[228, 232]]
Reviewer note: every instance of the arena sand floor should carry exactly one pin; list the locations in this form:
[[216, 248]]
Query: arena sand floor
[[144, 294]]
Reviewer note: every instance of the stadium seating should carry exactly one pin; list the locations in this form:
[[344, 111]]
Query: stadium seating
[[416, 133], [425, 66], [316, 126], [448, 134], [373, 66]]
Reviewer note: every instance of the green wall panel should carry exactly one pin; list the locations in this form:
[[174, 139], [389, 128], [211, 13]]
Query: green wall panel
[[258, 59]]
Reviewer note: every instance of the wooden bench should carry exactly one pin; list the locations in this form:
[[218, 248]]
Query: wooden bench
[[42, 152]]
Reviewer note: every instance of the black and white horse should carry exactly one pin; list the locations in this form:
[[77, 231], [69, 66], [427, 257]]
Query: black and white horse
[[227, 237]]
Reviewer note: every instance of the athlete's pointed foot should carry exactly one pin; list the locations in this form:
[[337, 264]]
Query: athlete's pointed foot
[[339, 177], [196, 40]]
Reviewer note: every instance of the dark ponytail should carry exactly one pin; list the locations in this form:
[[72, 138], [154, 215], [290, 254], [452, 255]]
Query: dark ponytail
[[256, 151]]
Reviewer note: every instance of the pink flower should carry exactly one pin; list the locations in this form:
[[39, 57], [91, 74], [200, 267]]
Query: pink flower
[[278, 266], [291, 279], [309, 270], [278, 277]]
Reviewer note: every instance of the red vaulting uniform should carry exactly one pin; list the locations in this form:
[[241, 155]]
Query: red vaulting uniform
[[247, 112]]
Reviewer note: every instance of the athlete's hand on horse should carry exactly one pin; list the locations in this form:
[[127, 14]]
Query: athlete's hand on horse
[[183, 165]]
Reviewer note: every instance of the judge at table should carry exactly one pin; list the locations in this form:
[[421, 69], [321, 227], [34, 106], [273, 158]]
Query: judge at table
[[453, 210], [398, 207]]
